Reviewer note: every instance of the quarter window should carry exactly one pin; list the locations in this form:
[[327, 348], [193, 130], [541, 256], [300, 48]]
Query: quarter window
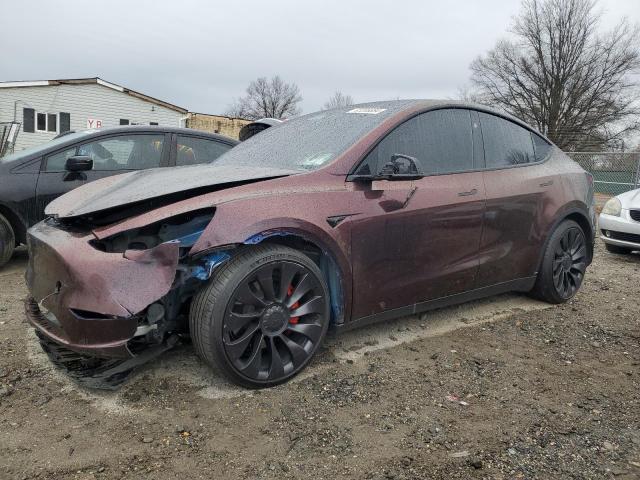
[[193, 150], [126, 152], [541, 147], [441, 141], [505, 143]]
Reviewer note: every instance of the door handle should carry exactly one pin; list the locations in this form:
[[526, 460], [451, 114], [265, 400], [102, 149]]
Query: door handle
[[547, 184], [469, 193]]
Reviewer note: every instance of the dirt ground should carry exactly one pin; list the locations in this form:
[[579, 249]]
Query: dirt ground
[[503, 388]]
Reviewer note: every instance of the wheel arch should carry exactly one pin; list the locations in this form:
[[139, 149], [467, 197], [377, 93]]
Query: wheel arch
[[323, 255], [578, 214], [583, 220]]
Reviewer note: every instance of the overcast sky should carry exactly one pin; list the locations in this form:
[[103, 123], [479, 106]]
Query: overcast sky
[[202, 54]]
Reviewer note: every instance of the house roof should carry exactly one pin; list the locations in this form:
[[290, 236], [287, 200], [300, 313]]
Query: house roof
[[96, 80]]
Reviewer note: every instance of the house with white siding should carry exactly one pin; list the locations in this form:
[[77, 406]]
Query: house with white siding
[[44, 109]]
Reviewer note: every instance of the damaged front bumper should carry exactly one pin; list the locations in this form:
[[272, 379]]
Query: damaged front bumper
[[90, 301]]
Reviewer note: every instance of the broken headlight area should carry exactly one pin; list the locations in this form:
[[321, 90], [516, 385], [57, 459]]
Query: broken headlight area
[[167, 315], [162, 324], [157, 256], [185, 228]]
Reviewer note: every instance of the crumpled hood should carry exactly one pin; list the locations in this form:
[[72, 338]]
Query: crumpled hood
[[147, 185], [631, 199]]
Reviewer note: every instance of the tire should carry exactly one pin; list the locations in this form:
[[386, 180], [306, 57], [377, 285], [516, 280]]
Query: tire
[[563, 264], [7, 241], [616, 249], [243, 323]]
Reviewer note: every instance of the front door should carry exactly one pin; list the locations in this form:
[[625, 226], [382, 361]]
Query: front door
[[111, 155], [419, 239]]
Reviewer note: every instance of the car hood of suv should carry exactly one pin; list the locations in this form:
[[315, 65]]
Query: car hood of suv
[[148, 189]]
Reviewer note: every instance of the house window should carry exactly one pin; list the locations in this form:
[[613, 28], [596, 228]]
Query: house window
[[153, 123], [52, 122], [124, 121], [46, 122]]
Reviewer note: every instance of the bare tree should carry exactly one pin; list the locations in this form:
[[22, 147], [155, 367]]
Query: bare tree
[[268, 98], [468, 94], [561, 75], [338, 100]]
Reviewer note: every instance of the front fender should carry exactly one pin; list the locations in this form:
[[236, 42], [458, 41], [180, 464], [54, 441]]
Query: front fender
[[238, 223]]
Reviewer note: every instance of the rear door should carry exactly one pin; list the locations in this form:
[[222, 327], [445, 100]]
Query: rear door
[[192, 150], [519, 186], [111, 154]]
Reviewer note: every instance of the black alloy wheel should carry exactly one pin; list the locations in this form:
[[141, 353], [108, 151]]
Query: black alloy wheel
[[563, 265], [262, 317], [274, 321], [569, 262]]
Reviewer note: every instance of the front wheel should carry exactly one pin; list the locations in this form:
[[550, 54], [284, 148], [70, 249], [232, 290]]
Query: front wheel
[[262, 317], [7, 240], [563, 265]]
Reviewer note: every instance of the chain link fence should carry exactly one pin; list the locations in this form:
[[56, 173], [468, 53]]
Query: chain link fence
[[613, 172]]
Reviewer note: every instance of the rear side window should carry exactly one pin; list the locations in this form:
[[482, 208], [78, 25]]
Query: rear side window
[[541, 147], [441, 141], [193, 150], [505, 143]]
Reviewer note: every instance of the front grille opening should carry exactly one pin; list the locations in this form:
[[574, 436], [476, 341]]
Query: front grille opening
[[635, 215]]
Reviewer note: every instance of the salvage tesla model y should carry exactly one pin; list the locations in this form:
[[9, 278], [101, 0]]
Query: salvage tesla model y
[[334, 219]]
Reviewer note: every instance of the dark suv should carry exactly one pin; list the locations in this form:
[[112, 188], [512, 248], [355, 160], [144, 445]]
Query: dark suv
[[31, 178]]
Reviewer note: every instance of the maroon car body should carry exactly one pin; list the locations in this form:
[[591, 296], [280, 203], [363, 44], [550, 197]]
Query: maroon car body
[[386, 246]]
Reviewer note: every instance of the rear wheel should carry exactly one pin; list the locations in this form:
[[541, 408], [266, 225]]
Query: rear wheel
[[262, 317], [563, 264], [617, 249], [7, 240]]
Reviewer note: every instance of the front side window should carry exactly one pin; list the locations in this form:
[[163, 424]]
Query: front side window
[[125, 152], [505, 143], [57, 161], [441, 141], [193, 150]]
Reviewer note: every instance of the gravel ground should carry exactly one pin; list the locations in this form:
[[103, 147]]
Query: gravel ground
[[504, 388]]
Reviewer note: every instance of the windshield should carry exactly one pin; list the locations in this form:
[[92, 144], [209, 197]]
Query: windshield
[[51, 143], [311, 141]]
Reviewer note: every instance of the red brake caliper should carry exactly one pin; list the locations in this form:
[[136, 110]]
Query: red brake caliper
[[293, 320]]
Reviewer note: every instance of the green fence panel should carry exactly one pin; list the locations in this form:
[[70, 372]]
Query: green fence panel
[[613, 172]]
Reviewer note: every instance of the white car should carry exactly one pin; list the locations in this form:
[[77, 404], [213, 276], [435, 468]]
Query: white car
[[619, 222]]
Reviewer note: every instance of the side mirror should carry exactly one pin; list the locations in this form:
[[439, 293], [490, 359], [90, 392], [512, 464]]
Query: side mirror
[[400, 167], [79, 163]]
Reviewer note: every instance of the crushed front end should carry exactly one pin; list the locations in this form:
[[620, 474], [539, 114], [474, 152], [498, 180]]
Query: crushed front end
[[102, 306]]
